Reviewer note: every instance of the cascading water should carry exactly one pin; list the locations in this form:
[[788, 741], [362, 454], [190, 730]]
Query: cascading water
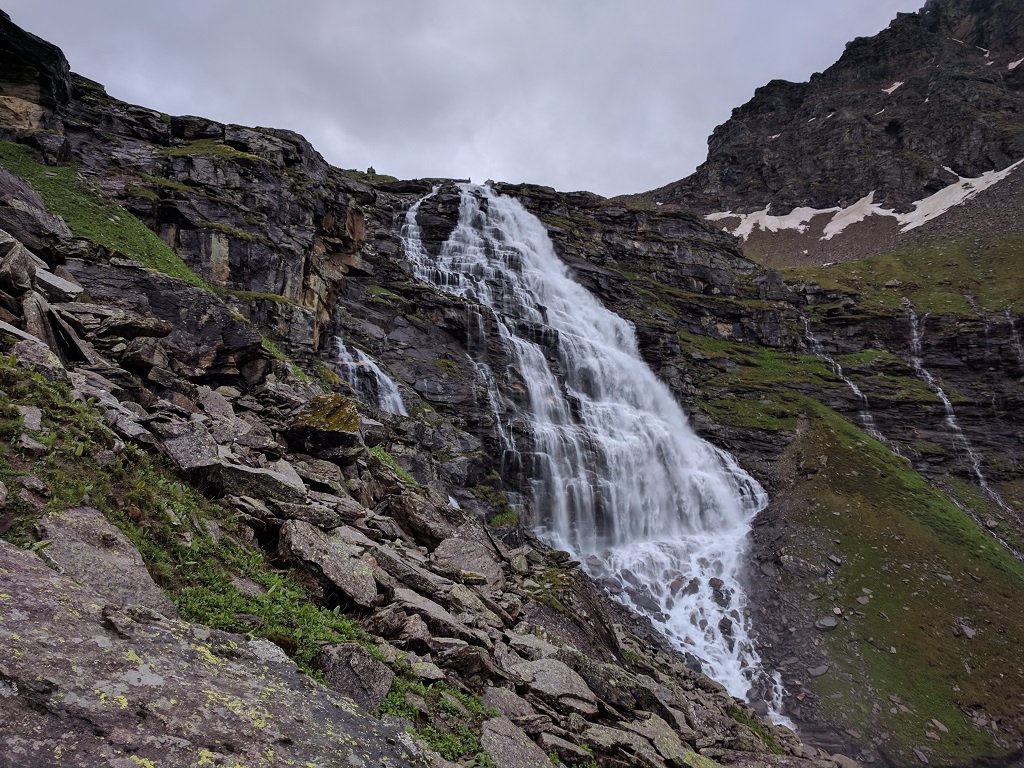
[[619, 479], [1015, 336], [959, 438], [367, 379], [866, 419]]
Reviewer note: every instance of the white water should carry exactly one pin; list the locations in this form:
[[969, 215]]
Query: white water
[[959, 438], [367, 379], [619, 479], [1015, 336], [866, 419]]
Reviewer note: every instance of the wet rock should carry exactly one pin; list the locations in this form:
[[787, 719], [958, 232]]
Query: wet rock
[[87, 548], [351, 670], [509, 747]]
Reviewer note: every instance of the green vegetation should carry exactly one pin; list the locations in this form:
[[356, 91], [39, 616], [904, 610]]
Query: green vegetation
[[209, 148], [914, 565], [369, 178], [741, 717], [168, 521], [936, 276], [451, 723], [91, 217], [379, 453], [240, 234]]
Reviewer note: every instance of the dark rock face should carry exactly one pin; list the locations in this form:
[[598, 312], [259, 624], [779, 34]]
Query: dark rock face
[[836, 138]]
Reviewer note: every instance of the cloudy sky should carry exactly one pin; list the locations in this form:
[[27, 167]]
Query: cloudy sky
[[612, 96]]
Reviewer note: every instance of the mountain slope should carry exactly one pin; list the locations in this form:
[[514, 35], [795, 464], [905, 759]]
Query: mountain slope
[[936, 97]]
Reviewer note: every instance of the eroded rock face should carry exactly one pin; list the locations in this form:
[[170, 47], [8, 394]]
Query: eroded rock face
[[843, 134], [86, 684]]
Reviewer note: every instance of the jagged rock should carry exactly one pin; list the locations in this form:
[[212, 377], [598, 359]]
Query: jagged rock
[[31, 417], [662, 735], [192, 447], [351, 669], [458, 557], [553, 681], [509, 747], [88, 549], [92, 702], [227, 478], [427, 671], [17, 267], [436, 616], [509, 703], [611, 740], [335, 564], [54, 287], [327, 426]]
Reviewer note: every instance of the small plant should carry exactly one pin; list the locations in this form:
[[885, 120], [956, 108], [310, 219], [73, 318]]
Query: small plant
[[384, 457]]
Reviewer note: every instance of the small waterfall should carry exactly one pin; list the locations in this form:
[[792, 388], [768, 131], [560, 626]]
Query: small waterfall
[[959, 438], [367, 379], [618, 477], [1015, 336], [866, 419]]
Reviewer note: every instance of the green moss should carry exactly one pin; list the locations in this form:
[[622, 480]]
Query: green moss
[[209, 148], [507, 519], [330, 413], [379, 453], [741, 717], [235, 232], [91, 217]]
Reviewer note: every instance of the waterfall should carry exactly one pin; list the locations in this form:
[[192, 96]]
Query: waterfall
[[617, 475], [367, 379], [959, 438], [1015, 336], [866, 419]]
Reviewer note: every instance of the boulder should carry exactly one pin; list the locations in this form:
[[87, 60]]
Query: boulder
[[554, 682], [353, 671], [509, 747], [333, 563], [88, 549], [327, 426], [104, 671], [228, 478], [36, 356], [459, 557]]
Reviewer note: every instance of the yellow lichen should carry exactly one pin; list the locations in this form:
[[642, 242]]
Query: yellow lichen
[[132, 656], [145, 762]]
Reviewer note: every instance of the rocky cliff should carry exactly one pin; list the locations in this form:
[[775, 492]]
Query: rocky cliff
[[221, 501], [934, 99]]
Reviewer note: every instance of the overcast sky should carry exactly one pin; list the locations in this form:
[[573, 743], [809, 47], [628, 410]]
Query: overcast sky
[[612, 96]]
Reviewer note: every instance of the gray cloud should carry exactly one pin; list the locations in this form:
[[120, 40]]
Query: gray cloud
[[602, 95]]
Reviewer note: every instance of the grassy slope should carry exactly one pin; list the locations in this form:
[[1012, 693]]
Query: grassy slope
[[899, 537], [934, 275], [927, 566], [91, 217]]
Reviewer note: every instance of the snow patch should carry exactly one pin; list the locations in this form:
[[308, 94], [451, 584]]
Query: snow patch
[[893, 87], [956, 193], [924, 210], [798, 219], [859, 211], [774, 136], [1014, 64]]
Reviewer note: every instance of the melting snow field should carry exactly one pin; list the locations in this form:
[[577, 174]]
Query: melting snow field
[[925, 210]]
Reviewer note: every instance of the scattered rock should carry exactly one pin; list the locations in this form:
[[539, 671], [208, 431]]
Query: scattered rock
[[509, 747], [352, 670]]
